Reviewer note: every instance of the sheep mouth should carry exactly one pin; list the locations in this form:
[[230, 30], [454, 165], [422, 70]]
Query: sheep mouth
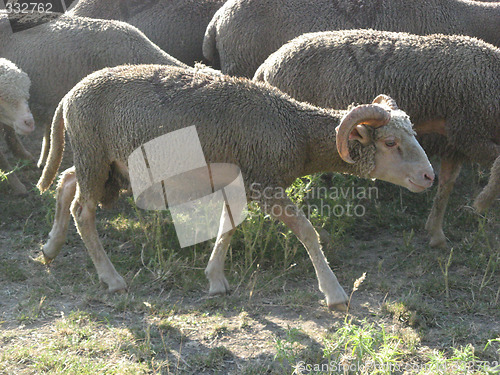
[[24, 129], [416, 188]]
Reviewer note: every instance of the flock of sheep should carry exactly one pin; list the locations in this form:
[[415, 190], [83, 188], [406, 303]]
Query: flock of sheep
[[115, 74]]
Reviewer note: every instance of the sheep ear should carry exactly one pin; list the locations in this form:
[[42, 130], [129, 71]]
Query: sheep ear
[[361, 134]]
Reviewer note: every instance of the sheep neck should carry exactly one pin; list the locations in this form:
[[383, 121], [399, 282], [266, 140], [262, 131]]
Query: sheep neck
[[321, 148]]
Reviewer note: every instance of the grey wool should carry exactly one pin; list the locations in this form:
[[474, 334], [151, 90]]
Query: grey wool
[[448, 85], [59, 53], [176, 26], [14, 92], [223, 109], [243, 33], [271, 137], [14, 83]]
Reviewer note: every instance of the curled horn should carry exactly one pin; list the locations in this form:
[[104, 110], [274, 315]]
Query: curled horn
[[366, 114], [387, 100]]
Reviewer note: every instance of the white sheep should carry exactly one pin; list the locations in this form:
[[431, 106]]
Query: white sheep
[[14, 113], [176, 26], [448, 84], [58, 53], [243, 33], [272, 138]]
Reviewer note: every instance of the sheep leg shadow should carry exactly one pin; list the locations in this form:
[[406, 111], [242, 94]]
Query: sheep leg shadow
[[65, 195], [285, 211], [215, 267], [16, 185], [84, 214], [15, 145], [448, 174]]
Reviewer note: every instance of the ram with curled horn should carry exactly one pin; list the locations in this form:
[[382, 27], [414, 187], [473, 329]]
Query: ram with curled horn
[[237, 121], [383, 140]]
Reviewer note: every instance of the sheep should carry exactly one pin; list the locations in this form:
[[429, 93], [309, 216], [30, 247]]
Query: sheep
[[449, 85], [243, 33], [272, 138], [57, 54], [177, 26], [15, 113]]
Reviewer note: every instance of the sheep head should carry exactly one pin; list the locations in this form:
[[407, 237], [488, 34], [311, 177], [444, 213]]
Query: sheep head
[[14, 95], [389, 147]]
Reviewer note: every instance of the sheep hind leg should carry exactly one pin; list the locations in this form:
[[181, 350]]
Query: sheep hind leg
[[65, 195], [215, 267], [294, 218], [491, 191], [448, 174], [84, 214]]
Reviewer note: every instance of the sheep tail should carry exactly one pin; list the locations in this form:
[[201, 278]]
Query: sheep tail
[[55, 154], [209, 44], [491, 191], [45, 147]]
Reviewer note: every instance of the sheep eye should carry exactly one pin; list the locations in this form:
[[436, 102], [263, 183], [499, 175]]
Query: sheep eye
[[390, 143]]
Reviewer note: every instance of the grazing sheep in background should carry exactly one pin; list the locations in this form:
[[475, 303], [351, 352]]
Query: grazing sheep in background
[[58, 54], [449, 86], [243, 33], [15, 113], [176, 26], [272, 138]]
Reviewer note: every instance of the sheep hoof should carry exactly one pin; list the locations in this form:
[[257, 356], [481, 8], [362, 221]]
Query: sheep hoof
[[438, 242], [119, 291], [342, 307], [117, 286], [46, 259], [219, 287]]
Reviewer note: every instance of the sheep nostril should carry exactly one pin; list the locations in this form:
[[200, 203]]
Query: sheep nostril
[[429, 177], [30, 123]]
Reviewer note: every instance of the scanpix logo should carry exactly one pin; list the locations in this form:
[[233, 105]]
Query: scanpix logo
[[171, 170], [26, 14]]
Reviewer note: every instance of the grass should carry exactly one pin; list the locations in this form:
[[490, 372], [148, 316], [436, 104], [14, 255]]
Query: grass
[[420, 310]]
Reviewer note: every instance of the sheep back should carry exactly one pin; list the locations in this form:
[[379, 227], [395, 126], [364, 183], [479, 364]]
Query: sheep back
[[456, 78]]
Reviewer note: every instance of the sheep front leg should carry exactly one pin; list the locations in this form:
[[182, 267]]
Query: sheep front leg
[[15, 145], [84, 212], [17, 186], [434, 225], [65, 195], [215, 267], [295, 219], [490, 191]]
